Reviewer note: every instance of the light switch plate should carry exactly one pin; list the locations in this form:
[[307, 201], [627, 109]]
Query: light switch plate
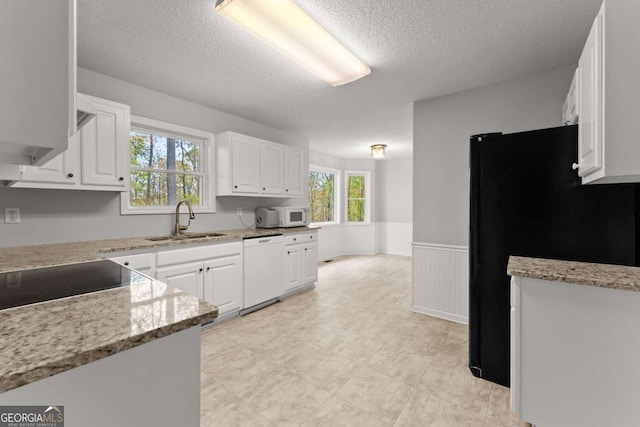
[[12, 215]]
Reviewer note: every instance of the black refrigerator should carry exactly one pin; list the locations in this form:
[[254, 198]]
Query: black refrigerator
[[526, 200]]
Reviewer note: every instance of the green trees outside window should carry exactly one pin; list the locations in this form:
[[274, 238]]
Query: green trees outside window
[[356, 198], [322, 196], [164, 170]]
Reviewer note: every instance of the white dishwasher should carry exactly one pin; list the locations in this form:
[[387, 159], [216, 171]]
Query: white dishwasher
[[263, 271]]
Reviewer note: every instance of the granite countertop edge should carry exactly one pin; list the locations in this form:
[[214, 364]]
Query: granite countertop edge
[[53, 367], [608, 276]]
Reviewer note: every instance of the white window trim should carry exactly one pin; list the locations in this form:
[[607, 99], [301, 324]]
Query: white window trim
[[367, 196], [208, 181], [336, 194]]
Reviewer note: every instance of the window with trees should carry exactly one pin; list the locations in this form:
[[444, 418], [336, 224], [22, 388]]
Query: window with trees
[[358, 199], [168, 163], [322, 195]]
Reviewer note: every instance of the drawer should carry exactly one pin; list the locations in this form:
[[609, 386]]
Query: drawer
[[292, 239], [198, 253], [137, 262], [301, 238]]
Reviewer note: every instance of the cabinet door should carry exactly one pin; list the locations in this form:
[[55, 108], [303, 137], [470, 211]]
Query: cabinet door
[[293, 172], [223, 283], [105, 145], [62, 169], [310, 263], [590, 101], [293, 267], [245, 158], [271, 176], [186, 277]]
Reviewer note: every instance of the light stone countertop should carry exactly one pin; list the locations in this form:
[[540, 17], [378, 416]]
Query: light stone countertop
[[41, 340], [581, 273], [44, 339], [25, 257]]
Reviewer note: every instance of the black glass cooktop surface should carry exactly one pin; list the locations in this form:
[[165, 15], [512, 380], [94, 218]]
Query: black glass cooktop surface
[[44, 284]]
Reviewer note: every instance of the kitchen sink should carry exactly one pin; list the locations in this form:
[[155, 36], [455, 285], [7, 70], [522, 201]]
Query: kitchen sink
[[185, 236]]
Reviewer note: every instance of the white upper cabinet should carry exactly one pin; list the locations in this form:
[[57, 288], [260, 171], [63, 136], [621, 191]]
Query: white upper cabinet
[[271, 168], [61, 170], [37, 79], [248, 166], [105, 145], [606, 97], [97, 157], [245, 164], [293, 172]]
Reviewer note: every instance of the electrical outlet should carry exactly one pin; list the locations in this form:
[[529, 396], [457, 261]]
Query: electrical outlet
[[239, 212], [12, 215]]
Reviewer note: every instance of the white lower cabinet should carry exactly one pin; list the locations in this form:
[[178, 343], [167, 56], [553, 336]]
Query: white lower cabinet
[[223, 283], [574, 354], [301, 261], [187, 277], [211, 272], [310, 262]]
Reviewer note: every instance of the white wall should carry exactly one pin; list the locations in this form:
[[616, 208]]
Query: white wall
[[394, 206], [442, 127], [50, 216]]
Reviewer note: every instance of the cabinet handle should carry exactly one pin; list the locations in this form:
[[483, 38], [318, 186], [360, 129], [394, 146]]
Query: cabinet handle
[[208, 268], [69, 175], [306, 249], [200, 270], [264, 189], [575, 166], [126, 263], [235, 186], [121, 178], [288, 252], [294, 239], [287, 190]]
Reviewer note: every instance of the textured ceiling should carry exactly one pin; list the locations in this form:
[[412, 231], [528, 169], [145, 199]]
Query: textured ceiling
[[417, 49]]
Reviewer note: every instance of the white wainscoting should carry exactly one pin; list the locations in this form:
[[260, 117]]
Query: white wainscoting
[[441, 281], [358, 239], [394, 238]]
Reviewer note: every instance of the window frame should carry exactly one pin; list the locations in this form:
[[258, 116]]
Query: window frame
[[367, 197], [208, 149], [336, 194]]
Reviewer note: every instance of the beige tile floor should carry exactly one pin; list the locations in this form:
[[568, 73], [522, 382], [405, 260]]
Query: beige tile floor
[[348, 353]]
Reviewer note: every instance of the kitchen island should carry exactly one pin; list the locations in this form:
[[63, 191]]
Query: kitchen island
[[132, 351], [574, 342]]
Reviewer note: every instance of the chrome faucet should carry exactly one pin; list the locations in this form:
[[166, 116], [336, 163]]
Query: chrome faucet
[[179, 228]]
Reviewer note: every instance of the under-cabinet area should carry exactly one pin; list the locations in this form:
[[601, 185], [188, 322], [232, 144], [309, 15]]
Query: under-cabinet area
[[217, 274]]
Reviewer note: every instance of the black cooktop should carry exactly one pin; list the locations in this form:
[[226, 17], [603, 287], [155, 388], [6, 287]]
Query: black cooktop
[[44, 284]]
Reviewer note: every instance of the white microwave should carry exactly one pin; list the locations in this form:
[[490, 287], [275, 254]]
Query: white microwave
[[293, 217]]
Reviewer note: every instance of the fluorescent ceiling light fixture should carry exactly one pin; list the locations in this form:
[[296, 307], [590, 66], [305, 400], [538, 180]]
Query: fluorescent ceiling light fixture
[[378, 151], [287, 28]]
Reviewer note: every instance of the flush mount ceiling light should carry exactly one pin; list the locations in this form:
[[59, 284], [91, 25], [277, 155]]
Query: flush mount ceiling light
[[378, 151], [287, 28]]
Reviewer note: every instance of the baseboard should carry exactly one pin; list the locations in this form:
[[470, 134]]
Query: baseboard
[[440, 314]]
